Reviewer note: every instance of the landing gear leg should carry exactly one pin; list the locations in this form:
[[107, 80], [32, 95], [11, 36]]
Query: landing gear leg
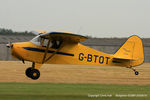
[[32, 73], [136, 72]]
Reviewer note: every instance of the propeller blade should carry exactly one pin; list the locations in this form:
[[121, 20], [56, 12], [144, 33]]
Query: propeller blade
[[9, 45]]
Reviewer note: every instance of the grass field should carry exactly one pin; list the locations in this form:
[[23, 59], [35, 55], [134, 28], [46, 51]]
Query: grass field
[[74, 82], [14, 71], [53, 91]]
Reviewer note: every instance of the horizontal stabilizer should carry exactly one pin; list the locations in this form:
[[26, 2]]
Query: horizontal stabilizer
[[125, 59]]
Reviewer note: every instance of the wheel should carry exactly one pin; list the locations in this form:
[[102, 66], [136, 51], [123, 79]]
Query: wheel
[[28, 71], [136, 73], [34, 74]]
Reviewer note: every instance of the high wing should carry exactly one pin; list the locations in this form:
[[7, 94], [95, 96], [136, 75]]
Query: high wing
[[64, 36]]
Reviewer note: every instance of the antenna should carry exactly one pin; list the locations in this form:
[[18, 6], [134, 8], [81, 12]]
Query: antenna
[[79, 29]]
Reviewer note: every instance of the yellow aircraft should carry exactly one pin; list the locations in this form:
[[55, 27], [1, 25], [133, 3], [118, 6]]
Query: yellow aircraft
[[60, 47]]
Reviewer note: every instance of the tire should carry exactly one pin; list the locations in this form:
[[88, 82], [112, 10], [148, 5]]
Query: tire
[[136, 73], [34, 74], [28, 71]]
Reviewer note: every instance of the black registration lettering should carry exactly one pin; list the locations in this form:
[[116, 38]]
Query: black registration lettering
[[81, 56], [89, 58], [101, 59]]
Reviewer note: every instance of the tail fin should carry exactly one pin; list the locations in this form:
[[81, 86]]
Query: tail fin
[[131, 50]]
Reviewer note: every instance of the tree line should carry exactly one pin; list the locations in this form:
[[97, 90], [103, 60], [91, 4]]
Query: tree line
[[4, 31]]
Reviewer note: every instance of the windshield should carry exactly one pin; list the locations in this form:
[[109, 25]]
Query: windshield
[[36, 40]]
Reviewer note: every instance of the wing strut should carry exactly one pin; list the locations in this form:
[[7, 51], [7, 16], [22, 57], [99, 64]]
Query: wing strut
[[53, 54], [46, 50]]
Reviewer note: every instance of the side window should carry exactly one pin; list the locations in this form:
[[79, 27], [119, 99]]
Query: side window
[[53, 43], [45, 42], [56, 44]]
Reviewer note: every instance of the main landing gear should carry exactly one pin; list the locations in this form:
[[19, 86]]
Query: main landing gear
[[32, 73], [136, 72]]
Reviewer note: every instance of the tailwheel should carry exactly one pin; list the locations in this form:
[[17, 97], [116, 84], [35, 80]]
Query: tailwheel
[[34, 74], [136, 72], [28, 71]]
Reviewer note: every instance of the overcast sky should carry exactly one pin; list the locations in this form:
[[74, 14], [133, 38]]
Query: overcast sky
[[97, 18]]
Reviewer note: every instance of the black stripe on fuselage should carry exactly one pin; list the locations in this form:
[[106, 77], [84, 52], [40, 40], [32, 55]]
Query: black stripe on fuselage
[[49, 51]]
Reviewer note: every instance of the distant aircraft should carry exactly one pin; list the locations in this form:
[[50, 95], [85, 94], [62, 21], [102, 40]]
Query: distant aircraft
[[60, 47]]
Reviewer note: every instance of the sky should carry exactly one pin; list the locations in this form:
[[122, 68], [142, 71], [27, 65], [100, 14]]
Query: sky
[[96, 18]]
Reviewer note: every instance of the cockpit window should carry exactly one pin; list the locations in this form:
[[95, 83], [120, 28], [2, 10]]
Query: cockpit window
[[55, 44], [36, 40], [43, 42]]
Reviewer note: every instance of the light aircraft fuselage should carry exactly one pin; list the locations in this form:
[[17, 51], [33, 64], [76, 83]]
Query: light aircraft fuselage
[[65, 48]]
